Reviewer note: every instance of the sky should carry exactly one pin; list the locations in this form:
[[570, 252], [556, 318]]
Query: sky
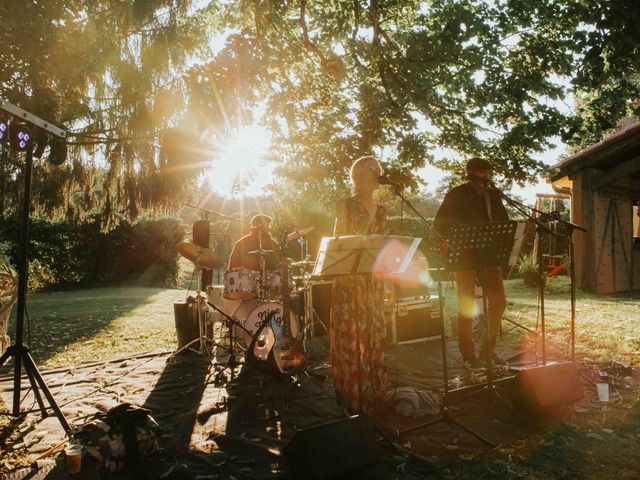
[[242, 168]]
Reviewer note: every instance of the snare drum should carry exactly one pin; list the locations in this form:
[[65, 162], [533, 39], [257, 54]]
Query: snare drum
[[251, 314], [240, 284]]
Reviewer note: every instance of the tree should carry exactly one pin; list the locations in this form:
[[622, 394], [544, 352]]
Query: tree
[[607, 80], [117, 75], [137, 82]]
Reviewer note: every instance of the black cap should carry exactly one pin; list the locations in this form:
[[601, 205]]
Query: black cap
[[478, 163]]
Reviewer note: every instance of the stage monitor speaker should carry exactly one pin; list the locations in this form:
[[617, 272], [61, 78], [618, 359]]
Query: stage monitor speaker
[[542, 389], [200, 232], [337, 450]]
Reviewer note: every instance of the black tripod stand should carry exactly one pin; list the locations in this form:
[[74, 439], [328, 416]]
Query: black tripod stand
[[478, 247], [542, 229], [19, 352], [445, 407]]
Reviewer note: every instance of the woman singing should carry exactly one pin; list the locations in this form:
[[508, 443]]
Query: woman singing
[[357, 323]]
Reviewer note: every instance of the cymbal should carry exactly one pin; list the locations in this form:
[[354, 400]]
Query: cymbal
[[260, 252], [303, 263], [299, 232], [289, 262], [202, 257]]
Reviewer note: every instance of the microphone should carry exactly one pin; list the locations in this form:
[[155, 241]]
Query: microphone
[[384, 180]]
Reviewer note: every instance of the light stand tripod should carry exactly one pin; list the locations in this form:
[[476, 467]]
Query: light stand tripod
[[21, 354]]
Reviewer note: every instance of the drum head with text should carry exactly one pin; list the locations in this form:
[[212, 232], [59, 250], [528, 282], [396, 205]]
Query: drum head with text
[[252, 314]]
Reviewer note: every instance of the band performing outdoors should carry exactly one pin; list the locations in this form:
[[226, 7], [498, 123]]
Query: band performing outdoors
[[363, 315], [368, 319], [319, 240], [258, 291]]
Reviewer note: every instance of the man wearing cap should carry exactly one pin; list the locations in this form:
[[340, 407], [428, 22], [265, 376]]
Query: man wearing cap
[[473, 202], [260, 235]]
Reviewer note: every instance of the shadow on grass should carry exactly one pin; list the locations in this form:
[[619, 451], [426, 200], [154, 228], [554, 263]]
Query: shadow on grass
[[57, 320], [178, 393]]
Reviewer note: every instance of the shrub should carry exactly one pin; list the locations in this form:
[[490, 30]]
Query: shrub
[[63, 254]]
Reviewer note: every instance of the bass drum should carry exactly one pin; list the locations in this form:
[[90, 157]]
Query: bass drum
[[251, 314]]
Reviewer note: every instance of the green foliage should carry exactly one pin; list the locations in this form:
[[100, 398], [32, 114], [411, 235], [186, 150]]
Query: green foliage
[[64, 254], [137, 82], [527, 264]]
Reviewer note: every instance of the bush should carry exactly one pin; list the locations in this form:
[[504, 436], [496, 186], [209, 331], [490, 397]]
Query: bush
[[63, 254], [528, 269]]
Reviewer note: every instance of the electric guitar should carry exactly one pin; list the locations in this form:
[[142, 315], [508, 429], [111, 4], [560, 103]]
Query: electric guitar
[[287, 354]]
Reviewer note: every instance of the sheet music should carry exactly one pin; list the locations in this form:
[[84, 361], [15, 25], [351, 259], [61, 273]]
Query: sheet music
[[361, 254]]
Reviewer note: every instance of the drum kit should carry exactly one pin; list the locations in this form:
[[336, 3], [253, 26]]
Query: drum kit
[[250, 298]]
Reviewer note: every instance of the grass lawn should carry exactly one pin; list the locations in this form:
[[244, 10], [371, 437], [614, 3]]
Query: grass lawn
[[71, 327], [76, 326]]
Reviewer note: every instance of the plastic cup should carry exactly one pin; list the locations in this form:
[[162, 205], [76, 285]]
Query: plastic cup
[[603, 391], [73, 453]]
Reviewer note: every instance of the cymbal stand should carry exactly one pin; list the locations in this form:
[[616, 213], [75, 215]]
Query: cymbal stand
[[311, 317], [263, 284]]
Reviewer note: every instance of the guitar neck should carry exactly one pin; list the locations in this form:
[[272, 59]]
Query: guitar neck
[[286, 300]]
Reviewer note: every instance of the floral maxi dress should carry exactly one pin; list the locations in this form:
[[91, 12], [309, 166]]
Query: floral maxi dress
[[357, 325]]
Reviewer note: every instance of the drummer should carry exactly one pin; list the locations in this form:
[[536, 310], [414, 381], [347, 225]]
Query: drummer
[[242, 256]]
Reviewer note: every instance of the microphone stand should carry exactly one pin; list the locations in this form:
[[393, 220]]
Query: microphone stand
[[222, 215], [541, 227], [445, 409]]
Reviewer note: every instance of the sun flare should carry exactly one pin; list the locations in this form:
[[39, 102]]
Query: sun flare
[[242, 169]]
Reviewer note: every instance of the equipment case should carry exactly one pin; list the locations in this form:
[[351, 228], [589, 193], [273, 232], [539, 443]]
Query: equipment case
[[411, 320]]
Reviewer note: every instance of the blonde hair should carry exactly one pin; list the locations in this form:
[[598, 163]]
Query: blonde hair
[[359, 166]]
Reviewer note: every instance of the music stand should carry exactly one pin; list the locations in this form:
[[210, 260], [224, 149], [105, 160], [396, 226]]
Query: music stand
[[445, 410], [476, 246], [365, 255]]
